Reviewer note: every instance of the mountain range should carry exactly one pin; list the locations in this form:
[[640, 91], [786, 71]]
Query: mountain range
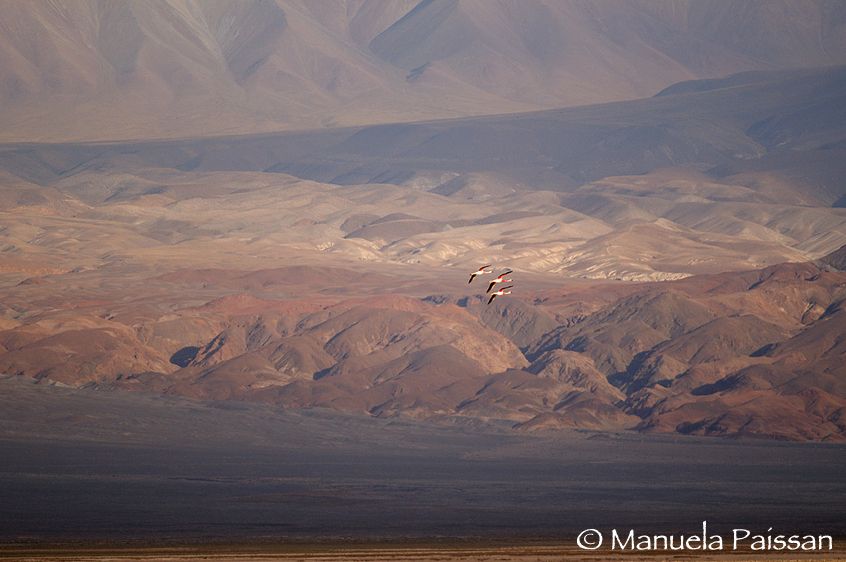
[[105, 70], [280, 202]]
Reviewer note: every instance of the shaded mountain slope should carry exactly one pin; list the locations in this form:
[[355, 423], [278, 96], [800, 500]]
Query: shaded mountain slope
[[785, 124], [100, 70], [836, 259]]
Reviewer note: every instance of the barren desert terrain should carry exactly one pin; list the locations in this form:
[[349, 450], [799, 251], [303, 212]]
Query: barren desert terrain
[[678, 299], [235, 242]]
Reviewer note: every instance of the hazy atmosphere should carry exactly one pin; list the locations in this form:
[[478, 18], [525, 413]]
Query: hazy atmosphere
[[235, 244]]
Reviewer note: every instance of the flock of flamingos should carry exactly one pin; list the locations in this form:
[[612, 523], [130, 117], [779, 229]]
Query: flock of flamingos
[[484, 270]]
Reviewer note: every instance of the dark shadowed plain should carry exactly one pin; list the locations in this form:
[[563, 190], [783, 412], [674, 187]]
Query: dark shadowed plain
[[129, 467]]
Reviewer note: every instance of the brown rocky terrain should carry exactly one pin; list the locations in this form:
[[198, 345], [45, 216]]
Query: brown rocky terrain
[[676, 255], [746, 353], [263, 286]]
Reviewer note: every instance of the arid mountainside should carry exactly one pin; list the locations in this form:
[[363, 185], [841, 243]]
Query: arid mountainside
[[678, 258], [710, 354], [708, 176], [100, 70], [265, 287]]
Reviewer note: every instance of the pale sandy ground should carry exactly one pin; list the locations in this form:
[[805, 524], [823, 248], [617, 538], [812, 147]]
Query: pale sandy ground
[[389, 553]]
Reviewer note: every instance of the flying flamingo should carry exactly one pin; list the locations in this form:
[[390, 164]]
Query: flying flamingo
[[500, 279], [481, 271], [499, 293]]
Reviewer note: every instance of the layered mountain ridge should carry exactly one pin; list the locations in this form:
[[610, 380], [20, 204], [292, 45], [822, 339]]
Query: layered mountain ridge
[[280, 202], [707, 355]]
